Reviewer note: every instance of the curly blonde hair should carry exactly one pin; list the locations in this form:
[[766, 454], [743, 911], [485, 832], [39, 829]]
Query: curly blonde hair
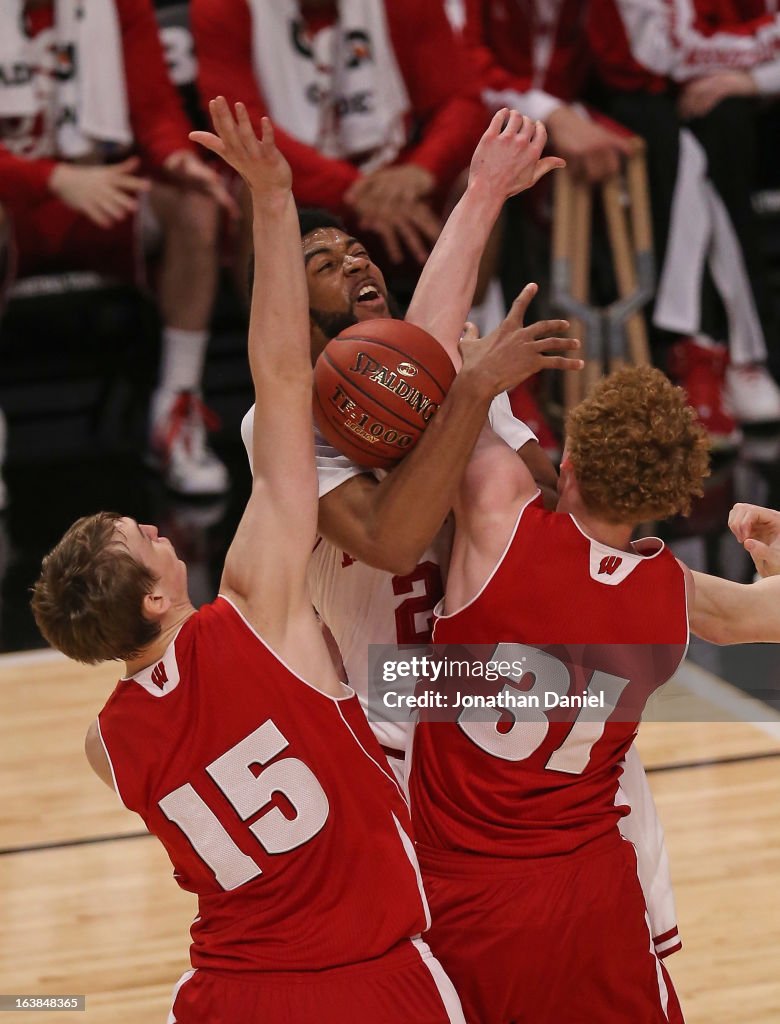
[[637, 448]]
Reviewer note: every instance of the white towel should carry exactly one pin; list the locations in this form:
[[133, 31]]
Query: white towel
[[701, 231], [72, 75], [340, 91]]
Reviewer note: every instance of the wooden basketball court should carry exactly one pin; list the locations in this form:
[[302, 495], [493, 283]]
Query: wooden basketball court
[[89, 905]]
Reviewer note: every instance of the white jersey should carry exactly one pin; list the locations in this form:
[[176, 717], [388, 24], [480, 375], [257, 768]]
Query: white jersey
[[362, 605]]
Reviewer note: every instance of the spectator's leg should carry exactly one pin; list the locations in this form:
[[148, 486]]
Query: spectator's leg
[[728, 136], [4, 257], [186, 290]]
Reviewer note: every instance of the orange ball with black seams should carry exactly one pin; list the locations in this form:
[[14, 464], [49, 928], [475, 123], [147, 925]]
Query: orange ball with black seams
[[377, 386]]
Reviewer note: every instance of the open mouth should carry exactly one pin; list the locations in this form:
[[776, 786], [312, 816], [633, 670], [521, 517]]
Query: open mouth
[[370, 298]]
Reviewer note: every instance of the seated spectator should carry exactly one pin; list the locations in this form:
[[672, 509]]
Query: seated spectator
[[372, 100], [94, 155], [694, 62], [534, 57]]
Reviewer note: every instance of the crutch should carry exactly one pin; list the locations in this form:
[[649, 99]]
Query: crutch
[[603, 331], [632, 259]]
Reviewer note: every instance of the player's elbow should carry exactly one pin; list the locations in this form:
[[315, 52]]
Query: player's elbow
[[391, 554]]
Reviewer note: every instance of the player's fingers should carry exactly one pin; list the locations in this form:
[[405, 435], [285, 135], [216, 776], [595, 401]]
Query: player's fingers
[[497, 123], [539, 140], [565, 344], [519, 307], [764, 559], [222, 118], [209, 141], [543, 329], [526, 129], [246, 131], [561, 363], [514, 122], [470, 332], [547, 164]]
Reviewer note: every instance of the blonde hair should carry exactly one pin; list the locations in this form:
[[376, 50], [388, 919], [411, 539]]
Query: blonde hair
[[89, 596]]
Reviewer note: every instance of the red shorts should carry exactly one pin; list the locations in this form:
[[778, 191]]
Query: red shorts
[[556, 940], [404, 986], [50, 238]]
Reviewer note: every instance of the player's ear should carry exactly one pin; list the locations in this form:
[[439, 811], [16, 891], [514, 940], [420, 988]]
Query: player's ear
[[155, 605]]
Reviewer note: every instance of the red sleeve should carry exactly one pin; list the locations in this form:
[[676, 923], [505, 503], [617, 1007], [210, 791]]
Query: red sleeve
[[159, 124], [222, 30], [490, 73], [23, 180], [443, 90]]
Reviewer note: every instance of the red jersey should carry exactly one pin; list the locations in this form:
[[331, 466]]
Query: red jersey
[[448, 117], [528, 44], [583, 619], [272, 799], [159, 125]]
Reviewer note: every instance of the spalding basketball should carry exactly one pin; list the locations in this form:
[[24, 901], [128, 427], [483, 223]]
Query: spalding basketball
[[377, 386]]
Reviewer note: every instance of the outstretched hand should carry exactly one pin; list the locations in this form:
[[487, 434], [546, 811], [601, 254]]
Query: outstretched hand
[[508, 158], [758, 530], [512, 352], [258, 161]]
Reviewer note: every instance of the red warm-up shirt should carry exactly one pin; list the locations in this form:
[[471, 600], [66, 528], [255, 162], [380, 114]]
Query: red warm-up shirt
[[158, 122], [500, 41], [645, 45], [448, 114]]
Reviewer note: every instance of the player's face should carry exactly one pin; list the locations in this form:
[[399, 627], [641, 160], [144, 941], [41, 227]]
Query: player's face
[[344, 285], [157, 553]]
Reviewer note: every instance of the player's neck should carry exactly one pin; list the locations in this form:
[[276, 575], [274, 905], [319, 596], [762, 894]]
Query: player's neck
[[613, 535], [154, 652]]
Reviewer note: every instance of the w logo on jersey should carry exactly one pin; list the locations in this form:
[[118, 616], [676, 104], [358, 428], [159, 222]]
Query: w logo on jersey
[[609, 565], [159, 675]]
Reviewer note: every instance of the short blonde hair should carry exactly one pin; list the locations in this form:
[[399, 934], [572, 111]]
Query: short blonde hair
[[637, 448], [88, 599]]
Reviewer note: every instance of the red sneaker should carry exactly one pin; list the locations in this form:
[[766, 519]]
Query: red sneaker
[[701, 370], [526, 408]]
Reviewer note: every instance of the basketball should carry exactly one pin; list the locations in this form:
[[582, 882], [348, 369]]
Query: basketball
[[377, 386]]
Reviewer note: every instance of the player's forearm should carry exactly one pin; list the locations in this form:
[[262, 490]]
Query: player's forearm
[[410, 505], [278, 324], [445, 290], [725, 612]]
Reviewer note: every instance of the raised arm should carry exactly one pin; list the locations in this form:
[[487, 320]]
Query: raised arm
[[507, 160], [493, 488], [266, 564]]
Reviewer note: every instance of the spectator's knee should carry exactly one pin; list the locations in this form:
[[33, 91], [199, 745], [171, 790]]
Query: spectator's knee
[[189, 217], [197, 218]]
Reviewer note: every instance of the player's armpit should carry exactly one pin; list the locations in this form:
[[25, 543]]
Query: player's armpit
[[96, 755]]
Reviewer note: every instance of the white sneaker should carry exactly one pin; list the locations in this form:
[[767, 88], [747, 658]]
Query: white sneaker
[[753, 394], [178, 445]]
